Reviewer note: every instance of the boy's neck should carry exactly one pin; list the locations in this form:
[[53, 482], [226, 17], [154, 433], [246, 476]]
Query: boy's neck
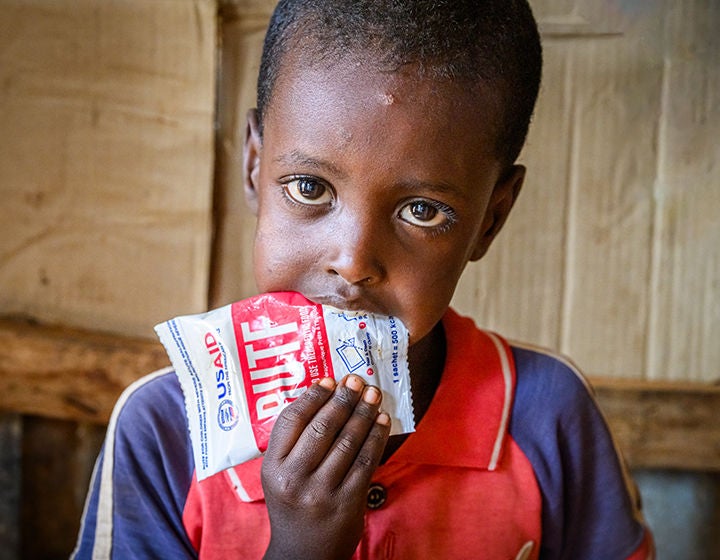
[[426, 361]]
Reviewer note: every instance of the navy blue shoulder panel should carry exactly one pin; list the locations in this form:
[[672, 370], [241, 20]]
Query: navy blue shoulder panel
[[151, 472], [588, 511]]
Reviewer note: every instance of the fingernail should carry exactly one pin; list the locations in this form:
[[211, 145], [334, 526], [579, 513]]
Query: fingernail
[[327, 383], [383, 419], [354, 383], [371, 395]]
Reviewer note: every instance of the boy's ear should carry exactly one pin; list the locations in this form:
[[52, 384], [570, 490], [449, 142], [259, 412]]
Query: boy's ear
[[501, 202], [251, 160]]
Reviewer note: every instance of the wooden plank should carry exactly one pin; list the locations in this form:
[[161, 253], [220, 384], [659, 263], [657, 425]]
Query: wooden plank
[[107, 112], [77, 375], [685, 290], [231, 10], [243, 29], [616, 103], [663, 425], [516, 289], [576, 18], [69, 373]]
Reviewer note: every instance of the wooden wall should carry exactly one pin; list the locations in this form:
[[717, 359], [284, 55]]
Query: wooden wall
[[122, 127], [610, 255], [106, 164], [109, 174]]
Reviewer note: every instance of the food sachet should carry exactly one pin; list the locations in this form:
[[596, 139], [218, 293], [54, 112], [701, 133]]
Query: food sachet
[[241, 364]]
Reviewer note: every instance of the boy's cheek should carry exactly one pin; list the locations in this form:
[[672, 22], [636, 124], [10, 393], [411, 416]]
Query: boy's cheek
[[269, 263], [279, 265]]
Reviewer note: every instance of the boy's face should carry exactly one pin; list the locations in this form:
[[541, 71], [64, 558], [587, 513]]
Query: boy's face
[[373, 190]]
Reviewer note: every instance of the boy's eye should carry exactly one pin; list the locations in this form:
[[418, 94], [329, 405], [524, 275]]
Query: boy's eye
[[424, 214], [308, 191]]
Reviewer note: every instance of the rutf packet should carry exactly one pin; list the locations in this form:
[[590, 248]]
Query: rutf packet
[[241, 364]]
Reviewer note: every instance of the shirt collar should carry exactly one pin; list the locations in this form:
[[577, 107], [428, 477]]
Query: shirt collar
[[467, 420]]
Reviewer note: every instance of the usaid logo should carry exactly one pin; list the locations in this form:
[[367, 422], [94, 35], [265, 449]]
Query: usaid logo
[[227, 415]]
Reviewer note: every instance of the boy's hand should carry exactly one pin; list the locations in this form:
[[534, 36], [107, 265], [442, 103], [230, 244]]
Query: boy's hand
[[322, 453]]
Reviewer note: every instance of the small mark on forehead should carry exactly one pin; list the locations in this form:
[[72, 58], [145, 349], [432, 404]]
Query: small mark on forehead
[[344, 134], [387, 98]]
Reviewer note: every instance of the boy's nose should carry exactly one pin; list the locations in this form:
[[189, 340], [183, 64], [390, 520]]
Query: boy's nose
[[356, 255]]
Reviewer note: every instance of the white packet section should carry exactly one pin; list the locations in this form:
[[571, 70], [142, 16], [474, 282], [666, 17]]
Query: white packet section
[[241, 364]]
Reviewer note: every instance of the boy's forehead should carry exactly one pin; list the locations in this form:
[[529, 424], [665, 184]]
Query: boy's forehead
[[358, 84], [347, 120]]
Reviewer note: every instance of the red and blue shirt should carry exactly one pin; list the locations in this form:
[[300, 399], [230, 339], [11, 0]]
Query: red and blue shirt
[[512, 460]]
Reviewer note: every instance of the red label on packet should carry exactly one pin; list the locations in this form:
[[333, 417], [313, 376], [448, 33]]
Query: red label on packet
[[241, 364], [279, 357]]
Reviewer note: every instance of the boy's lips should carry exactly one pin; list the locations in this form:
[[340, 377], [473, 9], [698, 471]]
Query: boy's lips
[[355, 304], [358, 304]]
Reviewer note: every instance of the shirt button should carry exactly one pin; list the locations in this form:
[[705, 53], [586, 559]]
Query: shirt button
[[376, 496]]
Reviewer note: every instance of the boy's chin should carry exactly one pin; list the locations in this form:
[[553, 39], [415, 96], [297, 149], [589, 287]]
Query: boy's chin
[[355, 305]]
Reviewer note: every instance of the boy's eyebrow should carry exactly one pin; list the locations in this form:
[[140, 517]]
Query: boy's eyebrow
[[298, 158], [440, 187]]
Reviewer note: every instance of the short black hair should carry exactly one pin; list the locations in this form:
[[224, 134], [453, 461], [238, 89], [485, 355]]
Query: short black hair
[[473, 42]]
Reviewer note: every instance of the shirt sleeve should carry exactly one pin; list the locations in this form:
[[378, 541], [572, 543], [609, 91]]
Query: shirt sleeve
[[590, 505], [141, 480]]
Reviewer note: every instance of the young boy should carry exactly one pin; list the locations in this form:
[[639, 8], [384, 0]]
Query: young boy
[[380, 160]]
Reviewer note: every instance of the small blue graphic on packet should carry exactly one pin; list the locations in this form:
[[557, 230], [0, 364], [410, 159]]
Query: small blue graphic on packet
[[355, 317], [350, 355]]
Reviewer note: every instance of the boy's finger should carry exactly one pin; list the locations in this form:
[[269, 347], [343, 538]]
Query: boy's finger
[[350, 440], [320, 433], [368, 458], [295, 417]]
